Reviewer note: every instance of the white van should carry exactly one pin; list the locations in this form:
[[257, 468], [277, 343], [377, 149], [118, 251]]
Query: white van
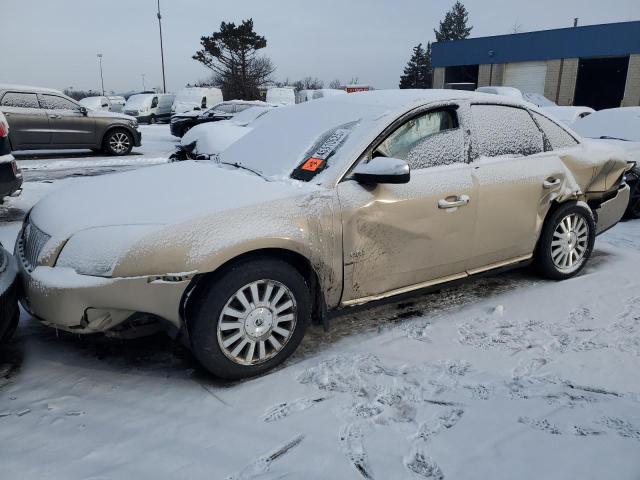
[[96, 103], [281, 95], [150, 107], [196, 98]]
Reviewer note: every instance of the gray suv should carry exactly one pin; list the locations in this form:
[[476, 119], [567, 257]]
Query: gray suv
[[45, 119]]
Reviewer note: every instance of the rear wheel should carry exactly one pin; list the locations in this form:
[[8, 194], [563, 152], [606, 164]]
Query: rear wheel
[[566, 241], [7, 331], [250, 319], [118, 142]]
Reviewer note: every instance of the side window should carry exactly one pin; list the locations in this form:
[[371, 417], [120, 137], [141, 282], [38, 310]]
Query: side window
[[20, 100], [557, 136], [502, 130], [428, 140], [53, 102], [154, 102]]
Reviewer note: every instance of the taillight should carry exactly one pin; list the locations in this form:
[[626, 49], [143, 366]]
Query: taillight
[[4, 129]]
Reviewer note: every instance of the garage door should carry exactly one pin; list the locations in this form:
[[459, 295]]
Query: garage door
[[526, 76]]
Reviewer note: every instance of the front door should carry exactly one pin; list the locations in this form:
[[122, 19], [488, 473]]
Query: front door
[[70, 127], [28, 123], [401, 237]]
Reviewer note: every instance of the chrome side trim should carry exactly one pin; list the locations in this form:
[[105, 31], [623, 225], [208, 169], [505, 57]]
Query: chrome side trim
[[504, 263]]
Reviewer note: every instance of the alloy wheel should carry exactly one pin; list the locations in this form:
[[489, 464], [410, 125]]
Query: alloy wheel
[[570, 242], [257, 322], [119, 142]]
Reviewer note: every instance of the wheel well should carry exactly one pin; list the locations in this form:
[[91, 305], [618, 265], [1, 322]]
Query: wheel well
[[111, 129], [200, 282]]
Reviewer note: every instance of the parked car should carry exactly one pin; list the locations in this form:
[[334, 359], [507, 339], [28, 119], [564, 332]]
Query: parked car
[[307, 95], [281, 95], [207, 140], [150, 107], [183, 122], [620, 126], [9, 312], [96, 103], [372, 196], [42, 118], [196, 98], [10, 176], [568, 115], [117, 103]]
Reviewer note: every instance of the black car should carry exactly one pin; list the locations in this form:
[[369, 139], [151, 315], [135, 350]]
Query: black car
[[10, 176], [181, 123], [9, 311]]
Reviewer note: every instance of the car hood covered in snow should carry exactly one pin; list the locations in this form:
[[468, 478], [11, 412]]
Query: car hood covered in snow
[[163, 195]]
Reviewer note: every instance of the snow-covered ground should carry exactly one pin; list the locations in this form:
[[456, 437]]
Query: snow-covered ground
[[504, 377]]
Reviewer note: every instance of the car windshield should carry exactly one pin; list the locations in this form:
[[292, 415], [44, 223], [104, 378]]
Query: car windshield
[[138, 100], [321, 130]]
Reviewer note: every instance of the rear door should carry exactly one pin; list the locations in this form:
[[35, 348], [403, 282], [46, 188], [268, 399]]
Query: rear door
[[28, 123], [70, 127], [405, 236], [517, 181]]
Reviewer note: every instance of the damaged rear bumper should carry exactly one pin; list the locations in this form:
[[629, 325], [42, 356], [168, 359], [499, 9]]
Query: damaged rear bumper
[[66, 300], [611, 211]]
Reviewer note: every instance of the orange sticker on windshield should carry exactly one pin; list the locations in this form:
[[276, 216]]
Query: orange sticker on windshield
[[312, 164]]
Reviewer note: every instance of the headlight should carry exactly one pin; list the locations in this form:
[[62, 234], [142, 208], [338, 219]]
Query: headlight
[[96, 251], [133, 123]]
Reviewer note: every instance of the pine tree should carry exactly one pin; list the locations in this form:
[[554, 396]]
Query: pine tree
[[417, 73], [454, 25]]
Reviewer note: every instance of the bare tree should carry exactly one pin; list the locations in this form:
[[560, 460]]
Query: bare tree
[[335, 84], [517, 27]]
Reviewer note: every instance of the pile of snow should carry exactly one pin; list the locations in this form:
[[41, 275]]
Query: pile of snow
[[568, 115]]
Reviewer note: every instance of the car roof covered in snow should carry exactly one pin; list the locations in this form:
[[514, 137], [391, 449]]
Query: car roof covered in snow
[[27, 88], [364, 115], [622, 123]]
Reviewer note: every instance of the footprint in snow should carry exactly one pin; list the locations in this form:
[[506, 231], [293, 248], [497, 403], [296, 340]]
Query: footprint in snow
[[351, 438], [282, 410], [541, 424], [622, 427], [422, 466], [261, 465], [442, 422]]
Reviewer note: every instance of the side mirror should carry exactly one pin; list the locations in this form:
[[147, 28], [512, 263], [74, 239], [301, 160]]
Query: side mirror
[[83, 110], [382, 170]]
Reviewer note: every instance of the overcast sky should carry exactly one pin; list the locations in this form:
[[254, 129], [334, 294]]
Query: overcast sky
[[54, 43]]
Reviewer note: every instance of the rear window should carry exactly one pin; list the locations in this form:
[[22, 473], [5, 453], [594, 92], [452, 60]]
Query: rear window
[[20, 100], [557, 137], [53, 102], [502, 130]]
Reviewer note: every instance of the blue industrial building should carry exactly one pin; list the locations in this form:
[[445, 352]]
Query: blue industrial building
[[596, 65]]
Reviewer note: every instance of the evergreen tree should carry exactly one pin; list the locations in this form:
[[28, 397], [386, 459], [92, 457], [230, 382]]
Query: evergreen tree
[[418, 72], [454, 25], [232, 55]]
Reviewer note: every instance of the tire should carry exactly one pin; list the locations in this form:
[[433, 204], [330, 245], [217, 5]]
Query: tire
[[239, 345], [560, 261], [118, 142], [633, 210], [7, 331], [152, 120]]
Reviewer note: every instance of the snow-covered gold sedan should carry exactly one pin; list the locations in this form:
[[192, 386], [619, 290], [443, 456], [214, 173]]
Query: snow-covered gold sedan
[[324, 205]]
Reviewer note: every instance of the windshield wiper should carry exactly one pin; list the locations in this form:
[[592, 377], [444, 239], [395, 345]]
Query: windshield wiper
[[238, 165], [606, 137]]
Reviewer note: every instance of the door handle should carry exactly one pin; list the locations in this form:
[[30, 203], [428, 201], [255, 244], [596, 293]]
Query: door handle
[[54, 116], [551, 183], [459, 201]]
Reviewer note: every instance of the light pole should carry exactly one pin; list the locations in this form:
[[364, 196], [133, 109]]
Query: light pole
[[101, 77], [144, 88], [164, 82]]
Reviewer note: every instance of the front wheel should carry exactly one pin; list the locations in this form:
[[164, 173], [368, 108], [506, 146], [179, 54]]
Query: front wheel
[[633, 210], [250, 319], [118, 142], [566, 241]]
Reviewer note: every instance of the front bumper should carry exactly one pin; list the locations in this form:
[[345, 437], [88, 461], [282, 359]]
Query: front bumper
[[11, 188], [66, 300], [609, 213]]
